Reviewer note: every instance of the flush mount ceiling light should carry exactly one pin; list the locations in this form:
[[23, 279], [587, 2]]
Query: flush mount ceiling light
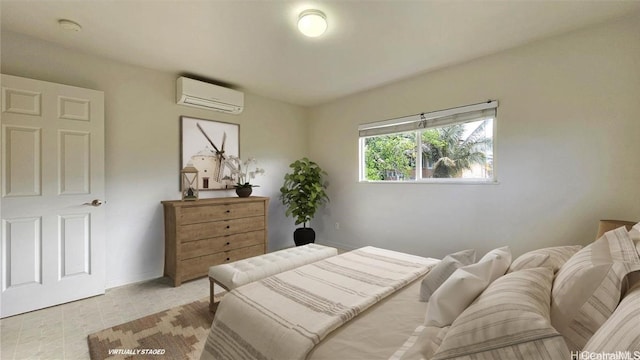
[[69, 25], [312, 23]]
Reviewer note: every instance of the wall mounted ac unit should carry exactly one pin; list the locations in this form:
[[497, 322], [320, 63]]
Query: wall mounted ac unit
[[209, 96]]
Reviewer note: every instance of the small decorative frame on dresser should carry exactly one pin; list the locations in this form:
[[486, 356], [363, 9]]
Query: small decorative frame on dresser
[[207, 232]]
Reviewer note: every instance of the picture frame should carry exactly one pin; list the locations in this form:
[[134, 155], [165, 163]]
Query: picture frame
[[206, 144]]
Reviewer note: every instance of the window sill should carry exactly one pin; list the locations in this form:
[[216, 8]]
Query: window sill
[[434, 181]]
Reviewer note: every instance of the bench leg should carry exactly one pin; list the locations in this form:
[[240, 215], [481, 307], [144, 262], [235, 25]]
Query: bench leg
[[212, 304]]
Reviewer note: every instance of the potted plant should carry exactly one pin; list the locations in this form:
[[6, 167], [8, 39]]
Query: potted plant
[[302, 193], [241, 175]]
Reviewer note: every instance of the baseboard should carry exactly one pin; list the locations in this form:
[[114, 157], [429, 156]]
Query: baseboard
[[136, 279]]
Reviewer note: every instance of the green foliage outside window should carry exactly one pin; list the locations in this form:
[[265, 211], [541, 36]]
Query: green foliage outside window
[[390, 157], [452, 152], [452, 149]]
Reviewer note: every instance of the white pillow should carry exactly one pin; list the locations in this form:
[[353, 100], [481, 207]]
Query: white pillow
[[634, 233], [502, 254], [441, 272], [464, 285]]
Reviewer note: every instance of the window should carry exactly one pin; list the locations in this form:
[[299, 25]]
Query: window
[[447, 145]]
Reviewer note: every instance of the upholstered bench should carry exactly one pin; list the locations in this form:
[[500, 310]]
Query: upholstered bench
[[230, 276]]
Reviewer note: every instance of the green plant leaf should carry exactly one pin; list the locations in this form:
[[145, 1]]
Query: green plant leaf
[[303, 190]]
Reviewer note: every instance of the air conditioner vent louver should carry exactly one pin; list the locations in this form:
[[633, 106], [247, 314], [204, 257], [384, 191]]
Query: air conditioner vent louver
[[208, 96]]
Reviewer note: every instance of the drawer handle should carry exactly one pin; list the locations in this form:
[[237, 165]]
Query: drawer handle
[[228, 243], [228, 226], [228, 211], [228, 259]]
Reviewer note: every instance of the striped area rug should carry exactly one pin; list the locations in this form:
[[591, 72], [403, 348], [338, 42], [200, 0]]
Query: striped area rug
[[176, 333]]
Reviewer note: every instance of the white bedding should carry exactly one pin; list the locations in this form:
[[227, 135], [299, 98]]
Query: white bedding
[[286, 315], [379, 331], [392, 328]]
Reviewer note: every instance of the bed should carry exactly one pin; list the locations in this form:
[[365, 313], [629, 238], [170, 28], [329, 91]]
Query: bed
[[544, 305], [378, 332]]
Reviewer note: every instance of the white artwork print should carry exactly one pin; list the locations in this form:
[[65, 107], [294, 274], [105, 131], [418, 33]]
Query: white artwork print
[[206, 144]]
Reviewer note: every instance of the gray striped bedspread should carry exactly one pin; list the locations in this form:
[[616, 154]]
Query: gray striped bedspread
[[284, 316]]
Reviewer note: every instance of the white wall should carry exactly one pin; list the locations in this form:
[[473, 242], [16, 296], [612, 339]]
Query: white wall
[[567, 150], [143, 147], [567, 145]]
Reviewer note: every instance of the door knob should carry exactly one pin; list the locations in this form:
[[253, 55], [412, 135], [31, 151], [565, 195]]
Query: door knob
[[95, 203]]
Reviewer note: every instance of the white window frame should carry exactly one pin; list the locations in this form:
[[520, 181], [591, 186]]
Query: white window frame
[[423, 121]]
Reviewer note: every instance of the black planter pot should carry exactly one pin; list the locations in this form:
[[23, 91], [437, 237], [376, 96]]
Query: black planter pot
[[244, 191], [304, 236]]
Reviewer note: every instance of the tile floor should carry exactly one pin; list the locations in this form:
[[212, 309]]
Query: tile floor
[[60, 332]]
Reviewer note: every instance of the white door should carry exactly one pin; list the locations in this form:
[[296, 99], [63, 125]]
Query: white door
[[53, 231]]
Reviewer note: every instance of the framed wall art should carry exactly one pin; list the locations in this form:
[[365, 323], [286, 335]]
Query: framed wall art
[[206, 144]]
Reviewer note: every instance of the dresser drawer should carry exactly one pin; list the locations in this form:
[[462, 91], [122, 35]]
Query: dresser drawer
[[198, 214], [209, 246], [197, 267], [201, 231]]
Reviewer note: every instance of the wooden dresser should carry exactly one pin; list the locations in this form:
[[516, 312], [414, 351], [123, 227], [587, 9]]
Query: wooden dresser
[[199, 234]]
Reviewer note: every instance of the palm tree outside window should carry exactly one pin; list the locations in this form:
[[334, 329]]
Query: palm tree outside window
[[456, 146]]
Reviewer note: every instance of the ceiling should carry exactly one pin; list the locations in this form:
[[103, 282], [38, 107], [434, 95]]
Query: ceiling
[[254, 45]]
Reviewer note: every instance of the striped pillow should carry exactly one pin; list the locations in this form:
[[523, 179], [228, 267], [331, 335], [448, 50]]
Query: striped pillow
[[443, 270], [588, 287], [509, 320], [551, 257], [621, 332]]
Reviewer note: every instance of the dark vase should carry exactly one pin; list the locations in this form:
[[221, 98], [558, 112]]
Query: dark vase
[[304, 236], [244, 191]]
